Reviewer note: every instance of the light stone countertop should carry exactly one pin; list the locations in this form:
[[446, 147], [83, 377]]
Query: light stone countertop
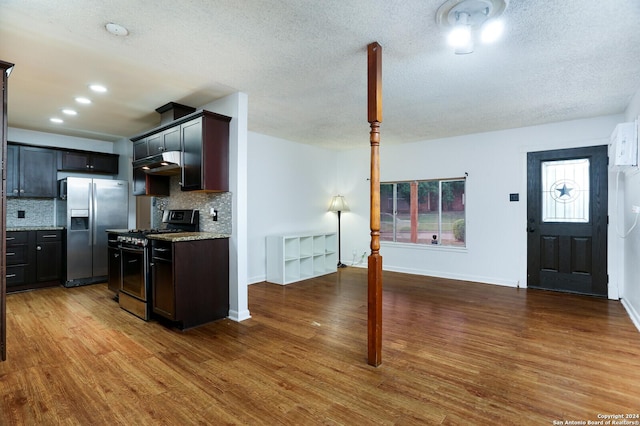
[[175, 237], [34, 228]]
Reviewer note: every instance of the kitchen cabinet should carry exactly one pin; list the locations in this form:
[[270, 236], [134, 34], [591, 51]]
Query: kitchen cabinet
[[31, 172], [48, 256], [203, 140], [190, 281], [152, 185], [18, 258], [140, 149], [85, 161], [114, 264], [34, 259], [292, 258], [166, 140], [205, 145]]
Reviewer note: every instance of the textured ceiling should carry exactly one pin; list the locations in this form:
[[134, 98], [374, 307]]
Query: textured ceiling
[[303, 65]]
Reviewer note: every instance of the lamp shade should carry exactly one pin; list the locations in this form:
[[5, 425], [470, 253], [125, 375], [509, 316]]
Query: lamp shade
[[338, 204]]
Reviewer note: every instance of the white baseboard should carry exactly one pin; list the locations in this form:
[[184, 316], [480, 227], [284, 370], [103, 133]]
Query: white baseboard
[[257, 279], [633, 314], [460, 277], [239, 316]]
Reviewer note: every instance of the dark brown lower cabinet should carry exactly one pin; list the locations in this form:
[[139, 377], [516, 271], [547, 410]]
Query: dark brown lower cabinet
[[34, 259], [114, 276], [48, 256], [190, 281]]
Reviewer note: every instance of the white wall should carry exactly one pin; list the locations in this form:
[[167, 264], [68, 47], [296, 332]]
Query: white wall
[[630, 196], [290, 186], [496, 166]]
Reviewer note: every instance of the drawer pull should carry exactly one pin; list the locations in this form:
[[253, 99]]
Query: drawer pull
[[49, 236], [161, 249], [133, 261], [11, 238], [10, 253], [11, 275]]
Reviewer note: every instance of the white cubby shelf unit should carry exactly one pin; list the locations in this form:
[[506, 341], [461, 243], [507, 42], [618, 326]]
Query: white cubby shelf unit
[[292, 258]]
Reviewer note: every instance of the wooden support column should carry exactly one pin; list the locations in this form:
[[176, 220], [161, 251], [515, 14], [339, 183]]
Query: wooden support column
[[374, 294]]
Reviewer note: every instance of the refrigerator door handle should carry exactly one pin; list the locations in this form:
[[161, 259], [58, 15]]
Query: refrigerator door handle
[[92, 210]]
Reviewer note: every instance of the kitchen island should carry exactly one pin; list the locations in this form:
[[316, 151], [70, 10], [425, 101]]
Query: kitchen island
[[189, 277]]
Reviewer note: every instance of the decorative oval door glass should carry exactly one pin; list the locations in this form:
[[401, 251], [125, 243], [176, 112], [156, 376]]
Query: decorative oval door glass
[[565, 191]]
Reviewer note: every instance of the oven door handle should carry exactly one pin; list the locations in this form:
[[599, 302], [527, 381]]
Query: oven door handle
[[133, 250]]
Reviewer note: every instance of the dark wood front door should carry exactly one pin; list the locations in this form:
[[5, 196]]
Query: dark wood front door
[[567, 220]]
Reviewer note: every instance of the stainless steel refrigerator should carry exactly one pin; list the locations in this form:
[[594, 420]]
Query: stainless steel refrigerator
[[87, 208]]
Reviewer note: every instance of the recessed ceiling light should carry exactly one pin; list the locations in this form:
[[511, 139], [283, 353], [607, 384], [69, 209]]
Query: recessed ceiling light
[[69, 111], [98, 88], [117, 29], [82, 100], [56, 120], [492, 30]]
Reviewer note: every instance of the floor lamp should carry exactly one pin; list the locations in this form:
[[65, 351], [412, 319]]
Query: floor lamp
[[338, 204]]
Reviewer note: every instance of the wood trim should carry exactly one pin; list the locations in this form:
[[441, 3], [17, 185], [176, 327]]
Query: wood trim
[[374, 298], [4, 67]]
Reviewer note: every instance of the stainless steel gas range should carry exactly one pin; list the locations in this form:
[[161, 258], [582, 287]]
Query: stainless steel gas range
[[129, 272]]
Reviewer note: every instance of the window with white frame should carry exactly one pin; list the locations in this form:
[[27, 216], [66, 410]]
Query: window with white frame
[[423, 212]]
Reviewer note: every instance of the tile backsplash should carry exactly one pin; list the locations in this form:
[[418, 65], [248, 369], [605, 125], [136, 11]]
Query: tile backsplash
[[41, 212], [37, 212], [202, 201]]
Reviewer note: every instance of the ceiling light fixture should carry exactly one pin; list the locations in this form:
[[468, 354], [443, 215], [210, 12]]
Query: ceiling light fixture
[[116, 29], [464, 17], [69, 111], [98, 88], [460, 36], [56, 120], [82, 100]]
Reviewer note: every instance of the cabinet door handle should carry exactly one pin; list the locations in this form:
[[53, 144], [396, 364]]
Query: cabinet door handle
[[11, 275], [22, 191], [15, 191], [38, 248], [10, 238], [11, 253], [133, 261], [161, 249]]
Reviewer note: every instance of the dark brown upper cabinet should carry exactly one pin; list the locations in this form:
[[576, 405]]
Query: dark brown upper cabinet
[[31, 172], [91, 162], [203, 139], [205, 158]]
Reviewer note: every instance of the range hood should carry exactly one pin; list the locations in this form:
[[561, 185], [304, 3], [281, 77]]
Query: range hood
[[166, 163]]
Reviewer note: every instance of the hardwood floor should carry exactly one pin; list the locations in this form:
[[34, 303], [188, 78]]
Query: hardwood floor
[[452, 353]]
